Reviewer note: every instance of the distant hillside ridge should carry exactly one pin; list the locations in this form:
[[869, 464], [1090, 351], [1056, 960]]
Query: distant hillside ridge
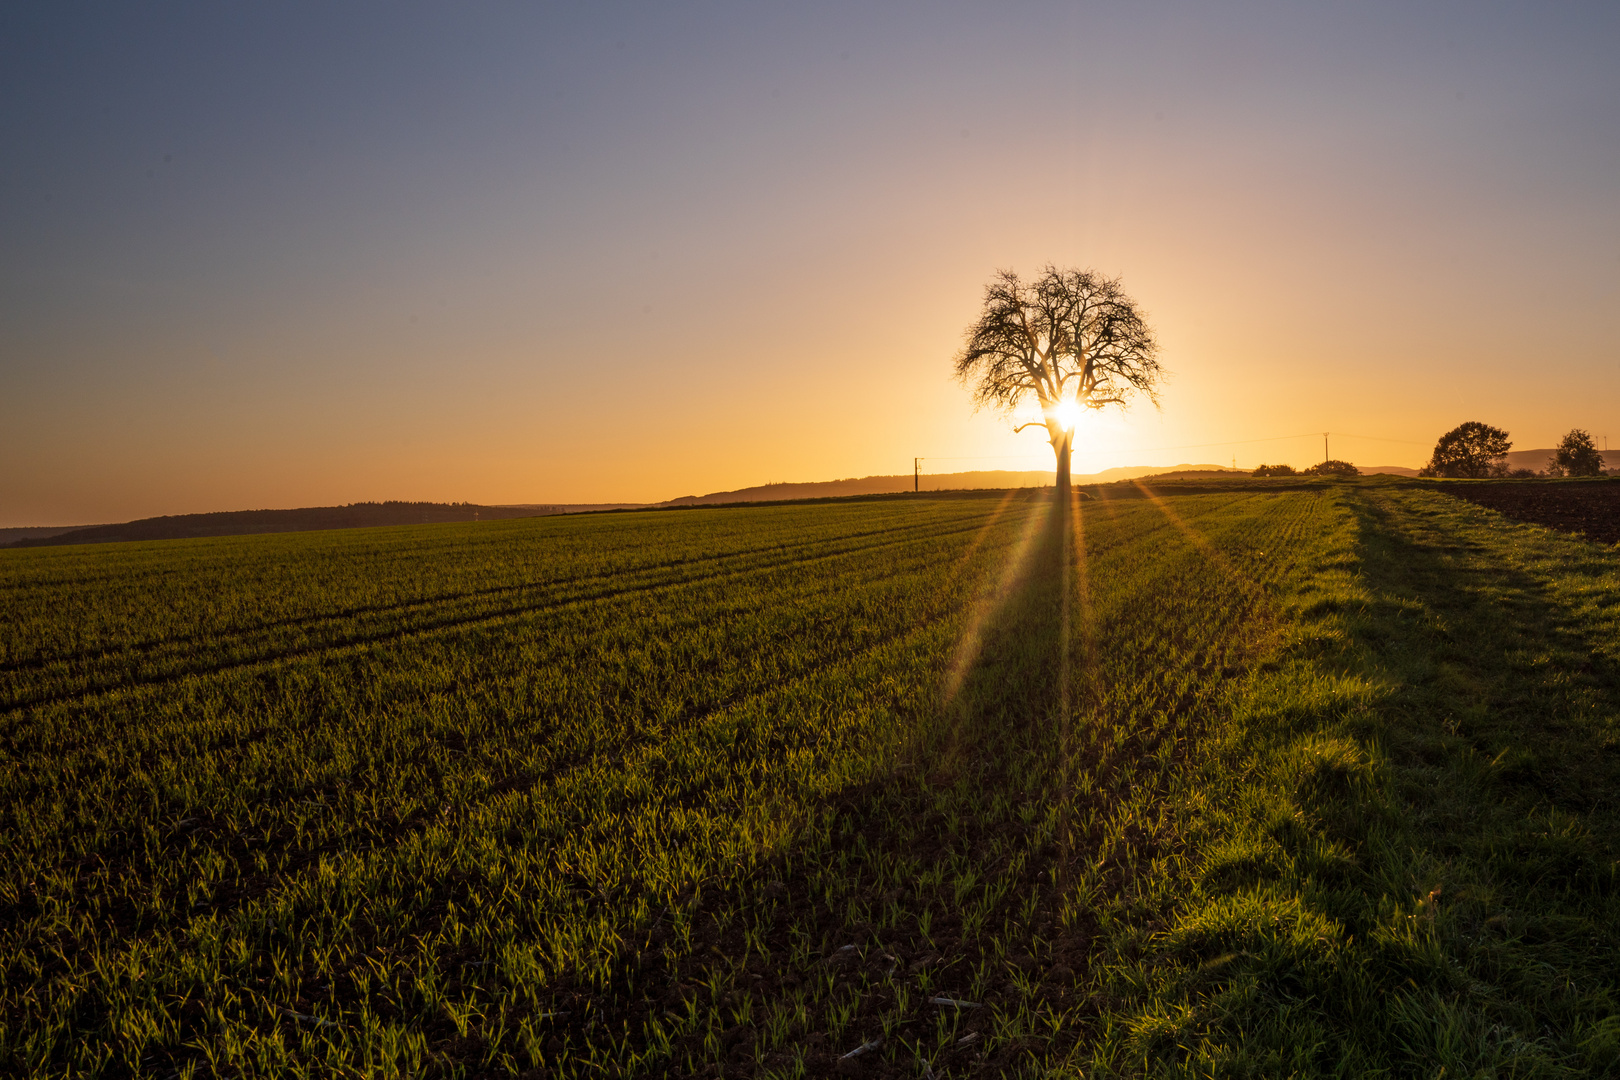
[[10, 536], [307, 519], [1537, 459], [959, 481]]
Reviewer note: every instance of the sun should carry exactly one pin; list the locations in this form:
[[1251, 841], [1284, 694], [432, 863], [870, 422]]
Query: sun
[[1067, 414]]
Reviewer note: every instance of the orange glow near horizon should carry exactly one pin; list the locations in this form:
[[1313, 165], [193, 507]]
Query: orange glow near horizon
[[606, 258]]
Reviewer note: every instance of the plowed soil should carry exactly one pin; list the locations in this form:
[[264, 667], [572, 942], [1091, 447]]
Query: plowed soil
[[1588, 507]]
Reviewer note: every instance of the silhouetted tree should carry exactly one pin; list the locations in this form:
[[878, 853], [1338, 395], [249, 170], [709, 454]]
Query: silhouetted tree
[[1274, 470], [1577, 455], [1071, 339], [1332, 467], [1472, 449]]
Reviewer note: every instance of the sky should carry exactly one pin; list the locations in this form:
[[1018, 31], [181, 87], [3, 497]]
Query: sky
[[279, 255]]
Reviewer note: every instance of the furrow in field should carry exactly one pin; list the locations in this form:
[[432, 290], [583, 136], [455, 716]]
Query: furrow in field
[[570, 651], [583, 584], [435, 619], [292, 863], [830, 675], [807, 663], [785, 552]]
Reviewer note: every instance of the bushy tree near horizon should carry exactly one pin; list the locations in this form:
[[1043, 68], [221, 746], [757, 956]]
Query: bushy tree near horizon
[[1577, 455], [1274, 470], [1070, 339], [1473, 450], [1331, 467]]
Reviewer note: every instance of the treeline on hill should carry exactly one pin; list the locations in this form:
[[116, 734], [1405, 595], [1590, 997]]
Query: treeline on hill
[[240, 522]]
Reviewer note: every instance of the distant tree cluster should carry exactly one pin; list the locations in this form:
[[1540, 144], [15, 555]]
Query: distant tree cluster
[[1331, 467], [1476, 451]]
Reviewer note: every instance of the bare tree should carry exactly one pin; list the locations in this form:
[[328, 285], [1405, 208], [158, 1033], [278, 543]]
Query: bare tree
[[1070, 339]]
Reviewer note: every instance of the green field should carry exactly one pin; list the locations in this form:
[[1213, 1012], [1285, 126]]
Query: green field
[[1268, 778]]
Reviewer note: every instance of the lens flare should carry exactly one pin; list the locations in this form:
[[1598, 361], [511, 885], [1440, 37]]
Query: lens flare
[[1067, 414]]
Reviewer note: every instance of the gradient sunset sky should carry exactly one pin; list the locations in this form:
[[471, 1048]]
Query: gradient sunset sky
[[281, 255]]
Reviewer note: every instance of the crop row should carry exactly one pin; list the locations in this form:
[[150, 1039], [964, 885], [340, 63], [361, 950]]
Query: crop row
[[167, 617]]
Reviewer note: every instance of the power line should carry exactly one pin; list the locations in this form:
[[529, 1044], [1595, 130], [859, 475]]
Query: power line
[[1377, 438], [1182, 446]]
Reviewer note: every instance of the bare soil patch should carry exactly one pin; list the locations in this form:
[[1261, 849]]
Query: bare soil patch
[[1588, 507]]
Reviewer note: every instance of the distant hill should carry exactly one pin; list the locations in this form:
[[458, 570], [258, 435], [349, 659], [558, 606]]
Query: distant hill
[[960, 481], [1537, 459], [10, 537], [246, 522]]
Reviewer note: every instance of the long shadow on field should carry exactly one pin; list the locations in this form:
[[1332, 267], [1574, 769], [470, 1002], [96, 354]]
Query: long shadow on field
[[921, 920], [889, 891], [1504, 731], [1433, 888]]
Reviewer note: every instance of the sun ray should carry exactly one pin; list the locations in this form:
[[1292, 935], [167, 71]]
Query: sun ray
[[1088, 622], [1248, 584], [1107, 503], [984, 530], [990, 601]]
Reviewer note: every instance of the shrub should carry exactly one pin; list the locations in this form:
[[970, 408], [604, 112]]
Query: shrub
[[1274, 470], [1333, 467]]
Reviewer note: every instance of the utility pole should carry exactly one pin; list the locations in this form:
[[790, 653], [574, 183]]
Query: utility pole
[[916, 475], [1324, 446]]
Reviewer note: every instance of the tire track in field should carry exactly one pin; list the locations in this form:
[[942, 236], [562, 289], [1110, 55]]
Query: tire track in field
[[223, 639], [123, 919], [702, 711], [798, 630], [106, 692], [565, 656]]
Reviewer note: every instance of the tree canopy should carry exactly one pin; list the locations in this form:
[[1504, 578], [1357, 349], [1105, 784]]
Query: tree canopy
[[1472, 449], [1332, 467], [1577, 455], [1069, 339]]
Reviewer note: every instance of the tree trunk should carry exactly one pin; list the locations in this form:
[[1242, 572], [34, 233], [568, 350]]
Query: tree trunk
[[1062, 444]]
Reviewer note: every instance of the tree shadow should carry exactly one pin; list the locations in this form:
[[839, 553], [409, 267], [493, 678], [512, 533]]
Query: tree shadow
[[896, 886]]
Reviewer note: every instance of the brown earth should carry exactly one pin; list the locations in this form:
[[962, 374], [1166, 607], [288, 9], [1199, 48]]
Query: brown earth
[[1587, 507]]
